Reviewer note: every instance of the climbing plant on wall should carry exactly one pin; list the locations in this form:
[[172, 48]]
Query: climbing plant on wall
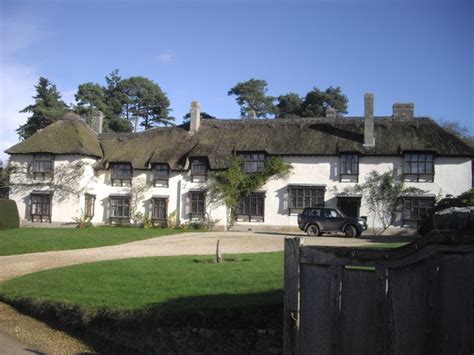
[[232, 184]]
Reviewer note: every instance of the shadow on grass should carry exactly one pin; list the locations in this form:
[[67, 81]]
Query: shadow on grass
[[103, 330]]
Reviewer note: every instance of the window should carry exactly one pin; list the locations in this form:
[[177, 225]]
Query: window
[[301, 197], [159, 209], [253, 162], [349, 164], [89, 208], [122, 174], [197, 204], [41, 207], [120, 207], [160, 173], [42, 164], [251, 207], [416, 209], [198, 167], [418, 164]]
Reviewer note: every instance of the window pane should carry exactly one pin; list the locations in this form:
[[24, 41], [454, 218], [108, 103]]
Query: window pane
[[349, 164]]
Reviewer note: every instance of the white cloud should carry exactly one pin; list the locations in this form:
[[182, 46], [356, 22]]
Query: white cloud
[[166, 57]]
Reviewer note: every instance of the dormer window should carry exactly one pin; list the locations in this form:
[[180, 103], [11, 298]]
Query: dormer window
[[253, 162], [198, 169], [418, 165], [161, 175], [42, 165], [122, 174]]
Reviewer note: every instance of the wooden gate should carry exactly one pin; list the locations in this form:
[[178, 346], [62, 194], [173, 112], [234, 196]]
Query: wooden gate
[[418, 299]]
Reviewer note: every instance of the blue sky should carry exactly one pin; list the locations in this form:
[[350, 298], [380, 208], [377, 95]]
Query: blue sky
[[402, 51]]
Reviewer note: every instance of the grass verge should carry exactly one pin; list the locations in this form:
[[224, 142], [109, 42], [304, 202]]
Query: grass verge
[[34, 240], [164, 284]]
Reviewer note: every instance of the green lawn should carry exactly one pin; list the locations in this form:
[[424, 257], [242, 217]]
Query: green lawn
[[33, 240], [167, 284]]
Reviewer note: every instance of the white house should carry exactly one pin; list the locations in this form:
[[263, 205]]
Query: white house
[[69, 169]]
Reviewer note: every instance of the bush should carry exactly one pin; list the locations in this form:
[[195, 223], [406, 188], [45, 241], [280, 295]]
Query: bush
[[8, 214], [466, 199]]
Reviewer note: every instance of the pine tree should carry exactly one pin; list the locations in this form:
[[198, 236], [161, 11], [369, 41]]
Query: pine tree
[[47, 109]]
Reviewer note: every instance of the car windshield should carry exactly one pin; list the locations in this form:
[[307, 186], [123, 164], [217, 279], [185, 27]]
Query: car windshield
[[341, 213]]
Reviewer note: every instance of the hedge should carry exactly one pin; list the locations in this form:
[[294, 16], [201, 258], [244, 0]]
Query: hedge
[[8, 214]]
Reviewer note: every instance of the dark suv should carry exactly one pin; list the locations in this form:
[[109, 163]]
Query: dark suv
[[318, 220]]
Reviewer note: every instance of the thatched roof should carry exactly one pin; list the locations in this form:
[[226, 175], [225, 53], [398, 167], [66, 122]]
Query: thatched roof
[[69, 135], [218, 140], [157, 145]]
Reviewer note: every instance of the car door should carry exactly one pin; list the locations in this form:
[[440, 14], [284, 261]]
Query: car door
[[333, 221]]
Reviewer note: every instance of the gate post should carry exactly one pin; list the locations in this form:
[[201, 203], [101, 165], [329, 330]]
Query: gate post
[[291, 295]]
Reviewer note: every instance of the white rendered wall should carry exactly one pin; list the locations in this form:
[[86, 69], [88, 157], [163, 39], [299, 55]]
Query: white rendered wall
[[65, 206], [452, 176]]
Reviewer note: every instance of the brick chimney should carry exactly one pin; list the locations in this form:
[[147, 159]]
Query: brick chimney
[[330, 112], [195, 117], [369, 135], [97, 121], [403, 111]]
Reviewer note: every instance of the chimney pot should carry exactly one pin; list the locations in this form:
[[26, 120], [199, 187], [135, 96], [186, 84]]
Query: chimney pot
[[195, 117], [330, 112], [403, 111], [369, 136], [97, 121]]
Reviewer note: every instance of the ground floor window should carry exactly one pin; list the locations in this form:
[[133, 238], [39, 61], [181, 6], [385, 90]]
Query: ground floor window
[[159, 211], [251, 208], [300, 197], [416, 209], [120, 207], [89, 205], [41, 207], [197, 207]]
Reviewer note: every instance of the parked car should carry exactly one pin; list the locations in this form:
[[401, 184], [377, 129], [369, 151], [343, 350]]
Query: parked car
[[318, 220]]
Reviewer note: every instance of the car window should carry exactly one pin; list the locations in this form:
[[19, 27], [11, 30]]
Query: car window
[[331, 214], [316, 213]]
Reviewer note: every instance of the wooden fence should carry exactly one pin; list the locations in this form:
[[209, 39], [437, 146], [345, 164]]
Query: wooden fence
[[418, 299]]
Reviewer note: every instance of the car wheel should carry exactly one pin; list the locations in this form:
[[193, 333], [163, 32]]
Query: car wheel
[[312, 230], [350, 231]]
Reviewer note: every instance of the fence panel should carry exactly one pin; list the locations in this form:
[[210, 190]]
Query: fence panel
[[418, 299]]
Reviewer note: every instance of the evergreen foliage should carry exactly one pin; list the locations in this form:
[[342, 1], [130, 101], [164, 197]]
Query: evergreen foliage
[[47, 109], [251, 95], [144, 103], [8, 214], [90, 97], [289, 105], [316, 102]]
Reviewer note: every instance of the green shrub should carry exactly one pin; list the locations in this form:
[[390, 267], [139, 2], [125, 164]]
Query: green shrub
[[8, 214]]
